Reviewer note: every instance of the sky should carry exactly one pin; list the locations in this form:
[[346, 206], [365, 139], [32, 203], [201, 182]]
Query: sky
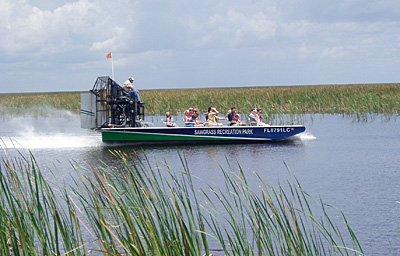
[[61, 45]]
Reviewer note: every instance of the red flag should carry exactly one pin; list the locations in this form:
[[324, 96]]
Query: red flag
[[108, 56]]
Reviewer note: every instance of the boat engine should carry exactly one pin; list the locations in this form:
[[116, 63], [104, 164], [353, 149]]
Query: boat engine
[[108, 105]]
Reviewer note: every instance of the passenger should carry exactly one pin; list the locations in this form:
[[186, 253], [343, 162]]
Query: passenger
[[127, 86], [196, 120], [169, 121], [227, 114], [233, 118], [188, 119], [253, 117], [259, 113], [196, 111], [208, 112], [238, 122], [260, 118], [213, 118], [191, 111]]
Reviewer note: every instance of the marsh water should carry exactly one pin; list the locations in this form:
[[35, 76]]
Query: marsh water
[[352, 165]]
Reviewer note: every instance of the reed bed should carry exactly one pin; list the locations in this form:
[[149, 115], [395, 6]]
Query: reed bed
[[357, 100], [39, 104], [331, 99], [139, 208]]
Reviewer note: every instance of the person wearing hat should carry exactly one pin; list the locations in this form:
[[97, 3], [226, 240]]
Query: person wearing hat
[[191, 111], [127, 86]]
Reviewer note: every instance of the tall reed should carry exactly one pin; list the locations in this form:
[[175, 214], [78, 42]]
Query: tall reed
[[332, 99], [39, 104], [360, 100], [138, 208], [33, 220]]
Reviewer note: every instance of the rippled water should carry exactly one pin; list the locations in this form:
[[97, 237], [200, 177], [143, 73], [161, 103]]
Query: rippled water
[[351, 165]]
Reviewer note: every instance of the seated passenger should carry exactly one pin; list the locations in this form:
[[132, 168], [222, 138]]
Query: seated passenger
[[196, 111], [227, 114], [213, 118], [260, 118], [253, 118], [238, 121], [169, 121], [196, 120], [188, 119], [233, 118], [259, 113], [191, 111], [208, 112]]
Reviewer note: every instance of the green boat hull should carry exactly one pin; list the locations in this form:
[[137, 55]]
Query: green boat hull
[[203, 135]]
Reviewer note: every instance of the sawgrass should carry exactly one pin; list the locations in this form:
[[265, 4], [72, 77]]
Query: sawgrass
[[39, 104], [139, 208], [332, 99], [359, 100]]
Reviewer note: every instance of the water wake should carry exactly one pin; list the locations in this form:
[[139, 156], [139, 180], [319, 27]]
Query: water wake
[[306, 136], [46, 133], [51, 141]]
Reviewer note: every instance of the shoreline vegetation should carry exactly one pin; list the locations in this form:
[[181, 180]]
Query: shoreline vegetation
[[352, 99], [132, 207]]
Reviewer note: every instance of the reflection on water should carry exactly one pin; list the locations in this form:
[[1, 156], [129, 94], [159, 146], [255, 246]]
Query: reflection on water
[[351, 165]]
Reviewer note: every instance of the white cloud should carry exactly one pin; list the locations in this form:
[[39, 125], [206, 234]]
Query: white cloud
[[233, 27], [199, 42], [118, 41], [78, 24], [241, 28], [135, 60]]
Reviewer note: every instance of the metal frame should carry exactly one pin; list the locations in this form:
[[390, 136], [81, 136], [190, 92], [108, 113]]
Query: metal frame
[[115, 106]]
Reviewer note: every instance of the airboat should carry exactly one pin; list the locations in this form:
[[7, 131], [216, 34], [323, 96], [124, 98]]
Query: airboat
[[110, 110]]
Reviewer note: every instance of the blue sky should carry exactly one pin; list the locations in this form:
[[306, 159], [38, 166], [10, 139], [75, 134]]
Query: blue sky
[[58, 45]]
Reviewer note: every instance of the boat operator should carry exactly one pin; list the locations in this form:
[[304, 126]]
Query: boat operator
[[127, 86]]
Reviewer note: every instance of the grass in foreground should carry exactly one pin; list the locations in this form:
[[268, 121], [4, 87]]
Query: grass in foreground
[[145, 209], [359, 99]]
